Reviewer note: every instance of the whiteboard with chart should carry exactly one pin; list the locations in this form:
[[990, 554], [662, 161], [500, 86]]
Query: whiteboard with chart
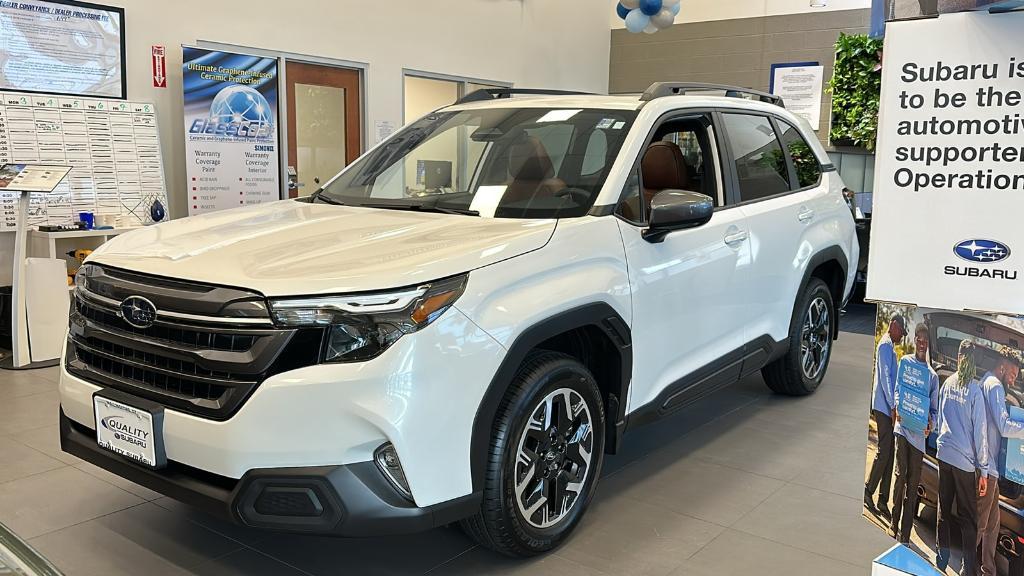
[[112, 146]]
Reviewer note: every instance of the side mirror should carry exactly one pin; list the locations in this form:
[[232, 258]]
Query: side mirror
[[677, 210]]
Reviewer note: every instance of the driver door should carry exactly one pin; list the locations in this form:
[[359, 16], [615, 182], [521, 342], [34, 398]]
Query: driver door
[[689, 291]]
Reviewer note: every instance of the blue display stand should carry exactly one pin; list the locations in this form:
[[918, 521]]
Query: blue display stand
[[900, 561]]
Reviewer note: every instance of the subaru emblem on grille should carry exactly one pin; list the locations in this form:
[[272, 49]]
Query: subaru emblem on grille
[[138, 311]]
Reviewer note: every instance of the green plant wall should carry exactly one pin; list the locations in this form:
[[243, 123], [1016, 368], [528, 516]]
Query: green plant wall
[[856, 86]]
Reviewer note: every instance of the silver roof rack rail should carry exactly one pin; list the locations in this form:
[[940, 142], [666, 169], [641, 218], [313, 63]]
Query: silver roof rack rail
[[495, 93], [662, 89]]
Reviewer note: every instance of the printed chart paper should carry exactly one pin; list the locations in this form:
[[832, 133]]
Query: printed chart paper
[[112, 147]]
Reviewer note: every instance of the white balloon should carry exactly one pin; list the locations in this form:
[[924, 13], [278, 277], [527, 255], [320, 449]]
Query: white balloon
[[664, 18], [637, 21], [668, 3], [651, 28], [632, 4]]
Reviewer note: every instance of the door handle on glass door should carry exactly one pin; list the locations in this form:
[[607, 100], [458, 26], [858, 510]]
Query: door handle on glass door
[[805, 215], [735, 236]]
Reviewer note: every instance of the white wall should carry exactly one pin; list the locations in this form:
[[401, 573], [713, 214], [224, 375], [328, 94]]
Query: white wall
[[708, 10], [531, 43]]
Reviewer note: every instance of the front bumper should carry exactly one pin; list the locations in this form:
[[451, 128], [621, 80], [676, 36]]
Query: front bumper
[[421, 395], [343, 500]]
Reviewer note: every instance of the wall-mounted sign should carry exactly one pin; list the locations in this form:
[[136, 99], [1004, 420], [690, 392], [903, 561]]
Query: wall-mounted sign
[[231, 136], [800, 84], [158, 55], [948, 195], [62, 47]]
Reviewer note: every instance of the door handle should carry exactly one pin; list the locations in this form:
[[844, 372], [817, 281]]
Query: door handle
[[736, 237], [805, 215]]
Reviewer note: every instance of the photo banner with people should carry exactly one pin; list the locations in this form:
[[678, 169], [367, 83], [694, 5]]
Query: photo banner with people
[[944, 474], [949, 171], [231, 129]]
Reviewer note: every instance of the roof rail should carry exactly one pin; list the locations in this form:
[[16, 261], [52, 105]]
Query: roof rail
[[495, 93], [662, 89]]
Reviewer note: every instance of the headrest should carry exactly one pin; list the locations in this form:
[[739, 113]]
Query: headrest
[[529, 160], [663, 167]]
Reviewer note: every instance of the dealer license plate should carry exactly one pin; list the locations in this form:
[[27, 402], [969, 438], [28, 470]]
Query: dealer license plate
[[127, 430]]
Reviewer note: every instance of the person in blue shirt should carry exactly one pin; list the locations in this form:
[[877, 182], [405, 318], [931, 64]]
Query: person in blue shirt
[[916, 397], [882, 409], [1000, 426], [963, 458]]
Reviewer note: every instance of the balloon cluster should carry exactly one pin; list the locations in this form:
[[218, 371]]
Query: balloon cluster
[[647, 15]]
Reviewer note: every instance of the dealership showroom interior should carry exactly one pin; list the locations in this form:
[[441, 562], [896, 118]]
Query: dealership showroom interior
[[558, 287]]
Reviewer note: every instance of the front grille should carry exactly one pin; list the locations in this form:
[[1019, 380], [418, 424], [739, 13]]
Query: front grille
[[193, 362], [171, 334], [170, 383]]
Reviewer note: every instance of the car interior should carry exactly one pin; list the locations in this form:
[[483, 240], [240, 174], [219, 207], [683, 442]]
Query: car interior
[[675, 159]]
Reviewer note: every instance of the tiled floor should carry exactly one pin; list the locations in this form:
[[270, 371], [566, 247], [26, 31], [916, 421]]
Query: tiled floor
[[741, 483]]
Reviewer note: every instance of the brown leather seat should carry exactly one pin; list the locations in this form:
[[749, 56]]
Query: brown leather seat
[[532, 172], [662, 168]]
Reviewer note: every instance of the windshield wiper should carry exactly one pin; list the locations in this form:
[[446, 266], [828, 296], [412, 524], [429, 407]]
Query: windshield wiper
[[422, 208], [318, 194]]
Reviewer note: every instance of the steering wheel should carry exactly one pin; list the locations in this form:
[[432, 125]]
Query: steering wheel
[[577, 195]]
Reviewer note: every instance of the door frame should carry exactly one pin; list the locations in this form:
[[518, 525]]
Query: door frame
[[362, 68]]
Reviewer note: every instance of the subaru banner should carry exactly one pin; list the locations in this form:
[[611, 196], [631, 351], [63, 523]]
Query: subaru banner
[[231, 136], [946, 229]]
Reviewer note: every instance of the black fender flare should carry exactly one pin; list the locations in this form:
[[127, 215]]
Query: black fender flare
[[598, 314], [831, 253]]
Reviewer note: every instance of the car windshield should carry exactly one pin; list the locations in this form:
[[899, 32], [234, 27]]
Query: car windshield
[[499, 163]]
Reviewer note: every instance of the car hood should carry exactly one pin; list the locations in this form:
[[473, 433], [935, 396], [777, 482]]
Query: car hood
[[294, 248]]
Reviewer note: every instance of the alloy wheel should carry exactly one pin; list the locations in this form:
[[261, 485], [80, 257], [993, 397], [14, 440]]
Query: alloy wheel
[[815, 338], [553, 458]]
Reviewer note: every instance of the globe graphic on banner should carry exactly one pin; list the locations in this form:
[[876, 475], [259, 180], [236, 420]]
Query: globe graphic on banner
[[238, 103]]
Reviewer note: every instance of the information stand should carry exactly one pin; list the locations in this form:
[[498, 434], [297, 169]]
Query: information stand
[[25, 179]]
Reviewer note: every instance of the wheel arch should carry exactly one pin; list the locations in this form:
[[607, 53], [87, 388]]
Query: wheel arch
[[597, 336], [830, 265]]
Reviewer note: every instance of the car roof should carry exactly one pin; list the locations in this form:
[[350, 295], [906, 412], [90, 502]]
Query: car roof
[[617, 102]]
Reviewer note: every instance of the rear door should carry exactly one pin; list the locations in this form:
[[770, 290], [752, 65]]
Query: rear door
[[778, 183]]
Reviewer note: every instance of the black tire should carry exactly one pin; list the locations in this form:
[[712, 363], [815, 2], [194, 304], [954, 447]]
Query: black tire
[[500, 523], [787, 374]]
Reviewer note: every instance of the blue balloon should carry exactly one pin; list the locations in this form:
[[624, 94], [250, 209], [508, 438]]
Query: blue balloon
[[622, 11], [675, 9], [636, 21], [650, 7]]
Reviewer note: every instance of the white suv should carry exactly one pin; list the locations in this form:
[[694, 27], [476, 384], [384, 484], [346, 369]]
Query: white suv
[[463, 322]]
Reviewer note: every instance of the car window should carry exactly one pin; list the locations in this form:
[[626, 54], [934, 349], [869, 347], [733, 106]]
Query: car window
[[760, 162], [808, 169], [630, 207], [491, 162]]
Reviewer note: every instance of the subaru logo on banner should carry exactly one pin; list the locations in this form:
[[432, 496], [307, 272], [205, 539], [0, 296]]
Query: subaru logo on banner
[[983, 251]]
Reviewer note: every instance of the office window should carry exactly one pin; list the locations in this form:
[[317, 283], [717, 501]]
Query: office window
[[760, 161]]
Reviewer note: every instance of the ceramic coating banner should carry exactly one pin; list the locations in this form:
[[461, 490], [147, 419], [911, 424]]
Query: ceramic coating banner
[[949, 174], [61, 47], [231, 134]]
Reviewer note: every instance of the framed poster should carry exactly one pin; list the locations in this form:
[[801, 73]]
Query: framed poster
[[800, 84], [62, 47]]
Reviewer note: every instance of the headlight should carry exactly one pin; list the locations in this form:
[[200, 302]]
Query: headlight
[[361, 326]]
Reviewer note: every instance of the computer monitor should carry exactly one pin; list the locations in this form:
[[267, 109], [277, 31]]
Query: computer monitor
[[436, 174]]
